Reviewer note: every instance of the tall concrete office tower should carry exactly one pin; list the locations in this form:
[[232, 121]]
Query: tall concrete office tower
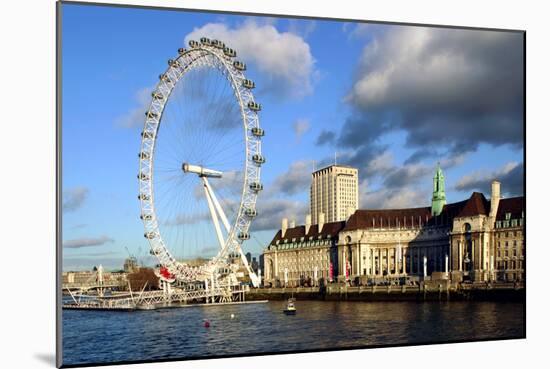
[[334, 191]]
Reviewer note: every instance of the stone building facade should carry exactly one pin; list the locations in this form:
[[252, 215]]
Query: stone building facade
[[471, 240], [300, 253]]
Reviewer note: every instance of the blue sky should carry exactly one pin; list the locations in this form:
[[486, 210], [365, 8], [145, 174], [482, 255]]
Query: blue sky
[[390, 100]]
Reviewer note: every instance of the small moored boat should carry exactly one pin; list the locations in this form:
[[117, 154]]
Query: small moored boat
[[290, 308]]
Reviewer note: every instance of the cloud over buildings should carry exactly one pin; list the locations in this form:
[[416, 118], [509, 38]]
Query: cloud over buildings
[[510, 175]]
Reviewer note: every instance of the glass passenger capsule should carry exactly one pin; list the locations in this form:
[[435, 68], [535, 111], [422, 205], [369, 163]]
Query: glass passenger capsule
[[150, 235], [143, 176], [256, 186], [254, 106], [239, 65], [258, 159], [258, 132], [218, 44], [250, 212], [229, 52], [244, 236], [248, 83]]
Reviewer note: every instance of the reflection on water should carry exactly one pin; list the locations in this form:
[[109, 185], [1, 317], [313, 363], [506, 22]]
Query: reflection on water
[[97, 337]]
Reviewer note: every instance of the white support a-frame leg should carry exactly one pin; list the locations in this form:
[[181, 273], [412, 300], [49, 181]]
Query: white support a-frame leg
[[214, 206], [211, 206]]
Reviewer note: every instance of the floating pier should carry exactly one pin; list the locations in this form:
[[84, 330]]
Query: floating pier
[[150, 300]]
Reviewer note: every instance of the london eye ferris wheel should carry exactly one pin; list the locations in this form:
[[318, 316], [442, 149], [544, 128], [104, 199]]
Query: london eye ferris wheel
[[200, 161]]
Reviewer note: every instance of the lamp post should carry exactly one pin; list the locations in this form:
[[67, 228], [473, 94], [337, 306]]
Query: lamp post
[[425, 259]]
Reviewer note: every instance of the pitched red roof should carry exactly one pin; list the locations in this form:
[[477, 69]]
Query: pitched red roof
[[298, 232], [513, 205], [388, 218], [477, 204]]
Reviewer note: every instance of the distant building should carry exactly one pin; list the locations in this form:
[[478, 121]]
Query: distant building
[[473, 240], [87, 278], [248, 256], [254, 265], [131, 264], [261, 263], [334, 192]]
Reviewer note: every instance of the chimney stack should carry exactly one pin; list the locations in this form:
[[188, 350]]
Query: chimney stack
[[321, 221], [284, 226], [349, 212], [308, 222], [495, 198], [293, 223]]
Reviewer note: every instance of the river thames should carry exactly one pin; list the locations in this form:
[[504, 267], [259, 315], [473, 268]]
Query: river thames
[[179, 333]]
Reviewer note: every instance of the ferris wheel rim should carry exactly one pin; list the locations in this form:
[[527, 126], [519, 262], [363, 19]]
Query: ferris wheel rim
[[214, 57]]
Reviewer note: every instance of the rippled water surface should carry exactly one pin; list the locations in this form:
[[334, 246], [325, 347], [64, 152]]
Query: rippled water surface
[[98, 337]]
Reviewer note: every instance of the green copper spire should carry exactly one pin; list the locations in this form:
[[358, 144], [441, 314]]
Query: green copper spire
[[438, 197]]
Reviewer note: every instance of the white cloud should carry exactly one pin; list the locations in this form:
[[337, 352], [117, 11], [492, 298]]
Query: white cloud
[[284, 59], [135, 117], [74, 198], [300, 126], [380, 164], [295, 180], [87, 242], [272, 211], [446, 88], [400, 198], [510, 175], [302, 27]]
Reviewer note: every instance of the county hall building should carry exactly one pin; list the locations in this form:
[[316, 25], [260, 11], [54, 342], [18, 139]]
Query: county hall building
[[477, 239]]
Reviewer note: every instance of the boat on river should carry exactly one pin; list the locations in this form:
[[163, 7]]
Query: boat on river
[[290, 307]]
